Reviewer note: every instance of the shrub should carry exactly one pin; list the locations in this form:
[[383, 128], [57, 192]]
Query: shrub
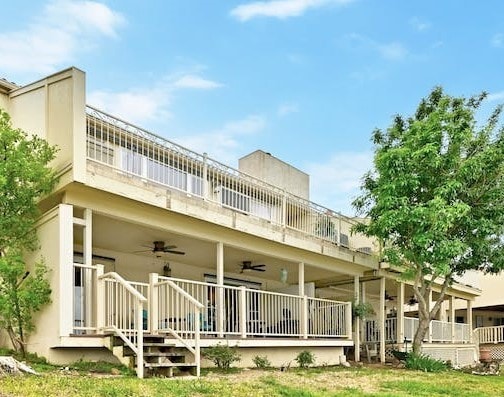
[[425, 363], [305, 359], [261, 362], [221, 356]]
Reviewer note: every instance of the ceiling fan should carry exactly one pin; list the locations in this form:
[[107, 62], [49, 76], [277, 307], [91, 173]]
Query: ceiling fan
[[247, 266], [412, 301], [159, 247], [389, 297]]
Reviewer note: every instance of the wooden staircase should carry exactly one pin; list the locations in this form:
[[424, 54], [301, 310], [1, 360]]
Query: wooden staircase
[[160, 358]]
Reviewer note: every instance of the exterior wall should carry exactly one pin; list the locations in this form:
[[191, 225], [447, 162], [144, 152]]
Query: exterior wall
[[285, 356], [54, 109], [268, 168], [4, 102], [47, 320], [491, 286]]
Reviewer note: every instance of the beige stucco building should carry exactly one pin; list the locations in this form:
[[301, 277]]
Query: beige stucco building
[[157, 251]]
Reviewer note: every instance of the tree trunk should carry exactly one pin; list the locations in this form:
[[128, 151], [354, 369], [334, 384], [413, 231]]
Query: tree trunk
[[423, 328]]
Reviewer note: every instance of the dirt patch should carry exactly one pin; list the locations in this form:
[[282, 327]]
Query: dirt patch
[[325, 380]]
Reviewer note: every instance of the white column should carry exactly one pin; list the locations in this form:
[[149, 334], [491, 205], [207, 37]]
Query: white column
[[357, 341], [100, 298], [220, 290], [303, 307], [400, 313], [153, 303], [301, 279], [382, 319], [66, 270], [429, 305], [363, 300], [242, 315], [470, 320], [87, 252], [452, 317]]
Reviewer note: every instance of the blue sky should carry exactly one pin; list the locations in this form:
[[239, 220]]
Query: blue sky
[[306, 80]]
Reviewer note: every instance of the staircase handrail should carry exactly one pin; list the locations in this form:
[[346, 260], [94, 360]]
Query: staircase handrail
[[138, 322]]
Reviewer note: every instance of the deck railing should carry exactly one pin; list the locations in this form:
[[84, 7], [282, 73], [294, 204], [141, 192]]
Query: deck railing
[[177, 313], [490, 334], [248, 312], [441, 331], [124, 313], [135, 151]]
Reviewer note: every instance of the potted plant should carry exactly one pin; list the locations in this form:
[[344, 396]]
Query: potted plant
[[362, 310]]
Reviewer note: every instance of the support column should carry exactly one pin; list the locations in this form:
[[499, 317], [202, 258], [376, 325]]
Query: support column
[[429, 306], [363, 323], [400, 313], [452, 317], [100, 298], [87, 248], [220, 290], [66, 270], [303, 307], [470, 320], [357, 341], [153, 304], [382, 319]]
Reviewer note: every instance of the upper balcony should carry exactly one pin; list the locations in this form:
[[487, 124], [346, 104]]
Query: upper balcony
[[116, 149]]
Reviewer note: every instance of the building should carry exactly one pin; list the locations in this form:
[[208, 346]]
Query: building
[[157, 251]]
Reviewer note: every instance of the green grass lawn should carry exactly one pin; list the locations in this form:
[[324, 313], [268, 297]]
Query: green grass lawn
[[314, 382]]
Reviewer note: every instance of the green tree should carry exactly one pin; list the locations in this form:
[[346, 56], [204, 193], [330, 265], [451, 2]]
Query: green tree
[[435, 195], [25, 177]]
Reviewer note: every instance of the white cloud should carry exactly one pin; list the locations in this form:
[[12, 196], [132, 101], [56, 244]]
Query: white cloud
[[56, 35], [418, 24], [336, 182], [496, 96], [223, 143], [497, 40], [280, 8], [287, 108], [196, 82], [135, 105], [143, 104], [392, 51]]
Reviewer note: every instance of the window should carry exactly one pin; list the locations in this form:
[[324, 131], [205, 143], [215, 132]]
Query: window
[[234, 199], [131, 161]]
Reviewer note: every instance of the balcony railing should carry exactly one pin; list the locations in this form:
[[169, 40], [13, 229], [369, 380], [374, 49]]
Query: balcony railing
[[441, 331], [490, 334], [135, 151], [247, 312]]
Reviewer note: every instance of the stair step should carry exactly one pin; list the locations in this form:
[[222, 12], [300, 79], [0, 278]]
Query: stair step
[[168, 365], [158, 344], [162, 354]]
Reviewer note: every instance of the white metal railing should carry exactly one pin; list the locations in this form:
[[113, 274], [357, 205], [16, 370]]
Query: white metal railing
[[124, 313], [135, 151], [490, 334], [84, 298], [178, 313], [250, 312], [441, 331]]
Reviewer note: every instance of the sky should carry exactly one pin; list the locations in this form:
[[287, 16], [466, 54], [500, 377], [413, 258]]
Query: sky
[[305, 80]]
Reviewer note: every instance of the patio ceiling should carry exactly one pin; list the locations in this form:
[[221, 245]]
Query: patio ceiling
[[115, 235]]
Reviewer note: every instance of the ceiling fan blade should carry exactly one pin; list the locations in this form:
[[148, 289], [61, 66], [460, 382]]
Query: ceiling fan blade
[[137, 252], [261, 265], [258, 269], [174, 252], [169, 247]]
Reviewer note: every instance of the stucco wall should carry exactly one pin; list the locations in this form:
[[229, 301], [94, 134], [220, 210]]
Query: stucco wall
[[47, 320], [268, 168], [54, 109]]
